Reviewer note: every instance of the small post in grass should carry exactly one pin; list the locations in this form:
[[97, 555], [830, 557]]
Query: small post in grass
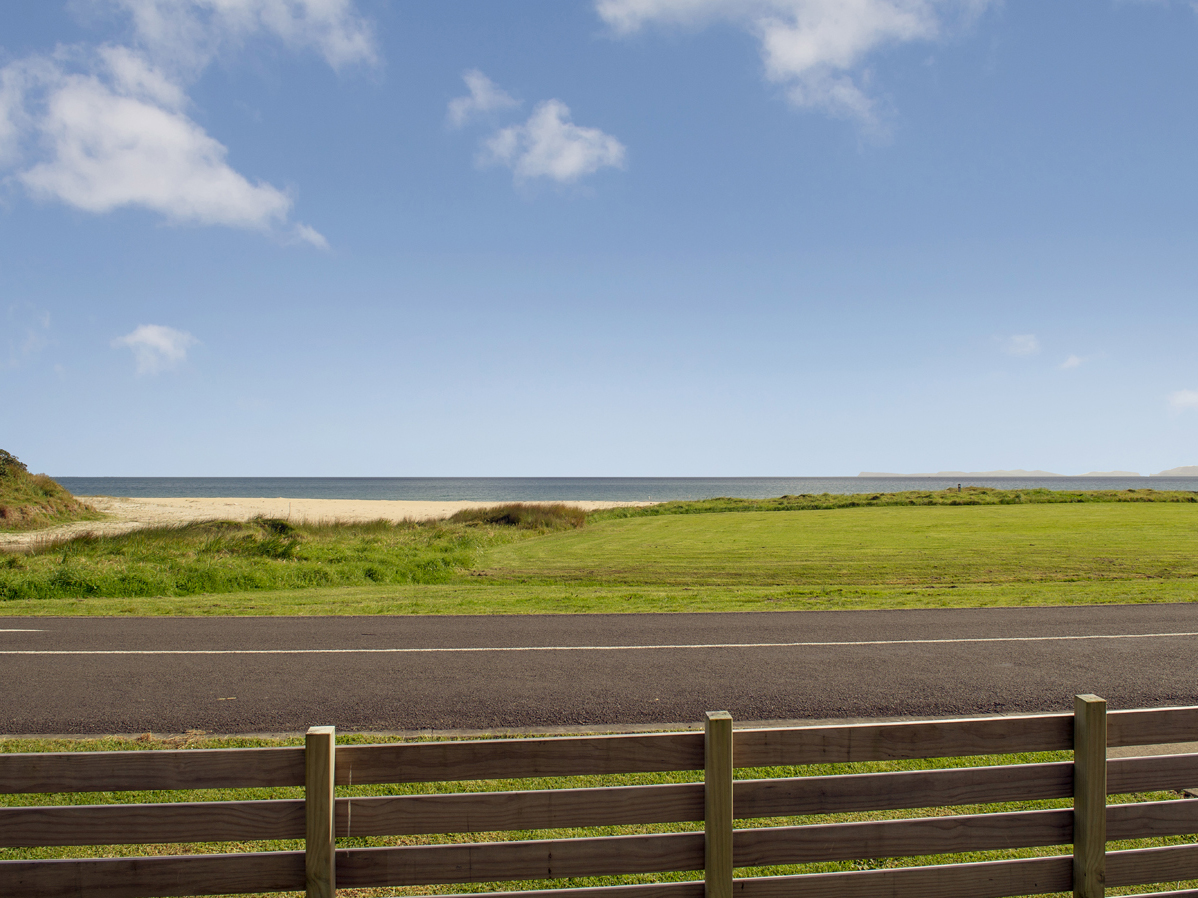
[[320, 755], [1089, 796], [717, 802]]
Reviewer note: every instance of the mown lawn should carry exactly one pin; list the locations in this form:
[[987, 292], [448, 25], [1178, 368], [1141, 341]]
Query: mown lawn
[[876, 547]]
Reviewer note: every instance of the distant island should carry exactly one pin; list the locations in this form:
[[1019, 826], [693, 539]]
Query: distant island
[[1185, 471]]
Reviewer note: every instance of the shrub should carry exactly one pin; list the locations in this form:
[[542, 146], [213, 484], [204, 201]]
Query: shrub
[[527, 516]]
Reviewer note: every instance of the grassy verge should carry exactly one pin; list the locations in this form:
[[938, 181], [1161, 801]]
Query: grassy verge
[[523, 559], [524, 598], [148, 743]]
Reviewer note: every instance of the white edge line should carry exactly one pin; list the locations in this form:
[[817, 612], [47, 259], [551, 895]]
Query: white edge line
[[592, 648]]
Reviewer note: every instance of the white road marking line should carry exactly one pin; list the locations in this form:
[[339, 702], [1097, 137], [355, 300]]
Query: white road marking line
[[593, 648], [22, 631]]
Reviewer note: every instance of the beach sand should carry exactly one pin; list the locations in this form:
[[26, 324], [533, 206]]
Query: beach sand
[[126, 514]]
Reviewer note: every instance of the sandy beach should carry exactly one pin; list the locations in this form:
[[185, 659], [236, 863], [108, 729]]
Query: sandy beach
[[127, 514]]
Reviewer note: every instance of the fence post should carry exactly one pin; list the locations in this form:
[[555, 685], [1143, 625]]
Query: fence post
[[1089, 796], [320, 754], [717, 805]]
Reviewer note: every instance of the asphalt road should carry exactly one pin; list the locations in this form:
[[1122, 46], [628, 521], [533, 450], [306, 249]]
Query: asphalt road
[[240, 675]]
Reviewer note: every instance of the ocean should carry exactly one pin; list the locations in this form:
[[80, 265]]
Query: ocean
[[618, 489]]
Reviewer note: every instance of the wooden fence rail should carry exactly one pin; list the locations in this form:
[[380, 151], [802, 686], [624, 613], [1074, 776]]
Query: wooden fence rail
[[320, 818]]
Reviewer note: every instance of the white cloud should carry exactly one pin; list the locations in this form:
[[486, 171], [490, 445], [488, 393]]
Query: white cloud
[[1184, 399], [1072, 362], [815, 49], [549, 145], [108, 127], [1021, 344], [156, 347], [485, 96], [107, 150]]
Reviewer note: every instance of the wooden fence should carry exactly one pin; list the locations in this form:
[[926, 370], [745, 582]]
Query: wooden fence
[[320, 817]]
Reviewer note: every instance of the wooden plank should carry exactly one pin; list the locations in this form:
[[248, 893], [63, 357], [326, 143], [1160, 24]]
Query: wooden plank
[[320, 756], [773, 845], [499, 861], [988, 879], [902, 789], [1151, 819], [1089, 796], [903, 741], [150, 877], [1152, 773], [950, 787], [117, 824], [218, 821], [483, 759], [717, 805], [683, 802], [133, 771], [1148, 865], [1154, 726], [689, 889], [477, 812]]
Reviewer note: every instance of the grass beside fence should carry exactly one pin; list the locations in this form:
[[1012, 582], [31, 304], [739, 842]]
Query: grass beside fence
[[202, 741]]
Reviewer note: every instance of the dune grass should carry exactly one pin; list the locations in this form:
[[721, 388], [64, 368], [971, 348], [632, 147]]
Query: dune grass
[[524, 515], [150, 743], [217, 557], [33, 501], [865, 552]]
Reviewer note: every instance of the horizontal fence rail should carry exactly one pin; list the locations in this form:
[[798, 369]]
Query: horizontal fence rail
[[318, 822]]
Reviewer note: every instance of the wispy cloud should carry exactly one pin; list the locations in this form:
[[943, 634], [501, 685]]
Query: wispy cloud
[[105, 127], [1182, 400], [189, 33], [1073, 361], [485, 96], [1021, 344], [551, 146], [156, 347], [27, 332], [817, 50]]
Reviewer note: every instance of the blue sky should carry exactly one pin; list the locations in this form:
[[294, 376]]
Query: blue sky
[[605, 237]]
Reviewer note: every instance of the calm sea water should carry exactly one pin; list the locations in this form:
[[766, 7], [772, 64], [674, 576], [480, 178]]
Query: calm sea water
[[505, 489]]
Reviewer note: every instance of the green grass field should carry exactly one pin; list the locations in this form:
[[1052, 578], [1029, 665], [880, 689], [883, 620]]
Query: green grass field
[[861, 552]]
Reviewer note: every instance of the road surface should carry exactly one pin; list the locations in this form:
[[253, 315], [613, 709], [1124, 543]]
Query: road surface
[[270, 674]]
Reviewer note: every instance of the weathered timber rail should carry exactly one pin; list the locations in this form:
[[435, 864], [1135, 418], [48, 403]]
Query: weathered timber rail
[[321, 818]]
